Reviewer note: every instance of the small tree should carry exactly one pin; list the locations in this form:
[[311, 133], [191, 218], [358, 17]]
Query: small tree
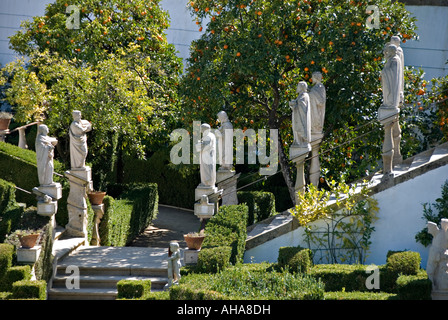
[[254, 52]]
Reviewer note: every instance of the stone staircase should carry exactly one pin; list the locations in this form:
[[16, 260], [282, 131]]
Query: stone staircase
[[100, 268], [409, 168]]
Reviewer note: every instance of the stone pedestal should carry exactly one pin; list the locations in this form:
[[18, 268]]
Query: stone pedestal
[[3, 134], [77, 202], [227, 181], [99, 213], [388, 117], [28, 255], [47, 198], [53, 190], [191, 256], [298, 156], [315, 162]]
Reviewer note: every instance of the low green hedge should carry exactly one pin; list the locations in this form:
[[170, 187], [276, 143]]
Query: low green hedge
[[16, 273], [212, 260], [414, 287], [228, 228], [10, 210], [7, 252], [357, 295], [261, 205], [133, 289], [295, 259], [128, 215], [29, 289], [246, 283]]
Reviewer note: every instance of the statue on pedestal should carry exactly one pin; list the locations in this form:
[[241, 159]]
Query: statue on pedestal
[[396, 41], [301, 117], [225, 142], [207, 148], [45, 153], [173, 264], [437, 266], [78, 140], [391, 78], [318, 99]]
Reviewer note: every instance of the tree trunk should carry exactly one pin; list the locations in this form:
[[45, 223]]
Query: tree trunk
[[286, 172]]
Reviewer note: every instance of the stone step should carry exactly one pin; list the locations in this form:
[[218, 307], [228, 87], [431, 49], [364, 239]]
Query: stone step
[[102, 281], [82, 294], [421, 159], [439, 152]]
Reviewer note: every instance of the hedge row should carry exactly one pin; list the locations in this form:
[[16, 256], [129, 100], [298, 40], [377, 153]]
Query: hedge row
[[129, 214], [261, 205], [10, 210], [228, 228], [401, 275]]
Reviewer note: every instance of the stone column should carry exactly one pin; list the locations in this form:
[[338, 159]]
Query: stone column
[[227, 181], [22, 138], [80, 181], [298, 156], [388, 117], [396, 134], [315, 162]]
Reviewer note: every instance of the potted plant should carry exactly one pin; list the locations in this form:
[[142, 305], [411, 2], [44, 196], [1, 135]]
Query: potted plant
[[5, 119], [96, 197], [27, 238], [194, 239]]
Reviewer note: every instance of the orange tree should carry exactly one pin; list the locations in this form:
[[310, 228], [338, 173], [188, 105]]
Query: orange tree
[[254, 52], [109, 59]]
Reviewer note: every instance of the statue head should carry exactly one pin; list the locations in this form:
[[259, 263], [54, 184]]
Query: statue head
[[174, 246], [316, 77], [42, 130], [205, 127], [395, 40], [302, 87], [222, 116], [76, 115], [390, 50]]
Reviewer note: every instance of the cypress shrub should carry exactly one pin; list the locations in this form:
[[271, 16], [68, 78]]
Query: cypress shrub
[[261, 205]]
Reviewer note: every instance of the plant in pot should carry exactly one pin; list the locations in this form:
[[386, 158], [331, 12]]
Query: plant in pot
[[96, 197], [5, 119], [27, 238], [194, 239]]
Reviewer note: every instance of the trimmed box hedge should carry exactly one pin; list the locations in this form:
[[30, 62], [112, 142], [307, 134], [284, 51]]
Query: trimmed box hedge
[[261, 205], [228, 228], [212, 260], [29, 289], [295, 259], [414, 287], [16, 273], [129, 214], [133, 289], [7, 252]]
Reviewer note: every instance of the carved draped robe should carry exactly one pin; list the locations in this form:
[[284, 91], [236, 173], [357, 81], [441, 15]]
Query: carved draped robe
[[301, 120], [78, 143], [391, 80], [208, 159], [317, 102], [44, 157]]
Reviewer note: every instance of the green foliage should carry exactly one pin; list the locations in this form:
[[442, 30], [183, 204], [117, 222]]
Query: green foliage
[[133, 289], [244, 282], [356, 295], [214, 259], [29, 289], [252, 55], [261, 205], [16, 273], [6, 257], [338, 277], [347, 221], [414, 287], [228, 228], [431, 215], [128, 215], [405, 262], [295, 259]]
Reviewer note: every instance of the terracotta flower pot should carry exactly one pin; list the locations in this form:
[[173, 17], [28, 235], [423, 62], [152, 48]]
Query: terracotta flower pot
[[96, 197], [28, 241], [194, 242], [4, 124]]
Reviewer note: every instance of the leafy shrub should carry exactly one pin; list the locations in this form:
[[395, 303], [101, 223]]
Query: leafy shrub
[[29, 289], [240, 282], [212, 260], [133, 289], [295, 259], [261, 205], [14, 274], [6, 258], [228, 228], [414, 287], [338, 277], [357, 295], [406, 262]]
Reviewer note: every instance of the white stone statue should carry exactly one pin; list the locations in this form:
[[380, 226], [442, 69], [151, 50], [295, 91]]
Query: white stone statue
[[44, 153], [396, 41], [437, 265], [173, 264], [207, 148], [78, 140], [391, 78], [301, 116], [318, 98], [225, 142]]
